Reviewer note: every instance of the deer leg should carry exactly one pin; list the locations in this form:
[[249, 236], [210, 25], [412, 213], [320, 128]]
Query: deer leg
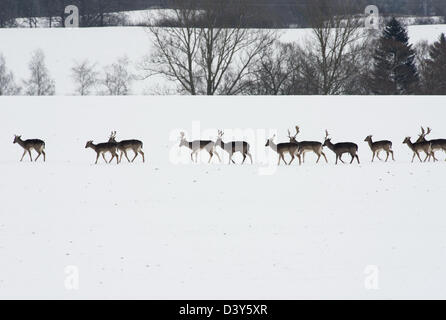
[[38, 155], [97, 157], [377, 155], [298, 157], [244, 158], [419, 157], [388, 153], [218, 156], [292, 159], [211, 155], [340, 158], [413, 157], [136, 154], [21, 159], [142, 154], [30, 158], [44, 156], [103, 156], [391, 152], [357, 158], [433, 156], [353, 157], [373, 157], [337, 157], [116, 156], [324, 157], [126, 155], [250, 157]]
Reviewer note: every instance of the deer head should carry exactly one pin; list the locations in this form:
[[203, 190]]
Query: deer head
[[293, 138]]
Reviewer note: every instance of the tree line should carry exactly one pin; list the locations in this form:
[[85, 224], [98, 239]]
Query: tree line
[[259, 13], [340, 57]]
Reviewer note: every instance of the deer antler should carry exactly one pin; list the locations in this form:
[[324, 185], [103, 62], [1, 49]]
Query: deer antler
[[297, 131], [326, 133], [429, 130]]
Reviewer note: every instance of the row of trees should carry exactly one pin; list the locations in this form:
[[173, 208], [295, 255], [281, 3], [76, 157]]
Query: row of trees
[[115, 78], [341, 57]]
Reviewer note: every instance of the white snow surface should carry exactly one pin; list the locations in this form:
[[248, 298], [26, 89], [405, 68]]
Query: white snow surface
[[216, 231], [104, 46]]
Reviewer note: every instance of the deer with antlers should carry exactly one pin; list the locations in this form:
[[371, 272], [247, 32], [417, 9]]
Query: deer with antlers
[[284, 148], [197, 145], [342, 147], [125, 145], [307, 146], [378, 146], [436, 144], [28, 145], [233, 147]]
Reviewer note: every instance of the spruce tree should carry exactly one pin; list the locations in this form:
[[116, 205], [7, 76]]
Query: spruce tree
[[436, 67], [394, 69]]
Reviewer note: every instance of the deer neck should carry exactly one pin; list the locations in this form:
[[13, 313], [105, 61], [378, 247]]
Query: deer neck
[[273, 146], [370, 143], [411, 145], [330, 145], [21, 142]]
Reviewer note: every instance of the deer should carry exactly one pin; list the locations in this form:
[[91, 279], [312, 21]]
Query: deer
[[437, 144], [233, 147], [378, 146], [342, 147], [102, 149], [36, 144], [416, 147], [124, 145], [283, 148], [307, 146], [197, 145]]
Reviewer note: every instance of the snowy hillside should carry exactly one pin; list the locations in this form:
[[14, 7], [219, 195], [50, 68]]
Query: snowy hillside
[[164, 229], [104, 46]]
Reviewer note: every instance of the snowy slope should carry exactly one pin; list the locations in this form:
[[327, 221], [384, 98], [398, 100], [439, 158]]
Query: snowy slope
[[105, 45], [166, 230]]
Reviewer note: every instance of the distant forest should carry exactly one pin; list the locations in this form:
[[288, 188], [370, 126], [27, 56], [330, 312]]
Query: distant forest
[[266, 13]]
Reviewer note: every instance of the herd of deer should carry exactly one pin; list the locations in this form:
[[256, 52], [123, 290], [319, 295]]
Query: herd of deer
[[294, 148]]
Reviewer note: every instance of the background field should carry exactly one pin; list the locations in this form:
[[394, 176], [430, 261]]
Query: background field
[[166, 230]]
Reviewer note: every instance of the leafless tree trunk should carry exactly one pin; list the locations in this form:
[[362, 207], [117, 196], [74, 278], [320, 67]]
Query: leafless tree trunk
[[85, 77], [201, 56], [336, 44]]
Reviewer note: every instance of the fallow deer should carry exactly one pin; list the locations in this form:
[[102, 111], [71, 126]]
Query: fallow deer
[[36, 144], [416, 147], [307, 146], [197, 145], [102, 149], [342, 147], [125, 145], [437, 144], [378, 146], [233, 147], [283, 148]]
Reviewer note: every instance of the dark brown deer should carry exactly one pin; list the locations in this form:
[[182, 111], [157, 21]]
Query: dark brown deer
[[284, 148], [125, 145], [417, 147], [36, 144], [233, 147], [102, 149], [307, 146], [342, 147], [198, 145], [378, 146], [437, 144]]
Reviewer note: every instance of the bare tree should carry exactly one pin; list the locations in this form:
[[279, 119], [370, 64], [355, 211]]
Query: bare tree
[[40, 83], [85, 77], [336, 44], [118, 78], [199, 54], [8, 86]]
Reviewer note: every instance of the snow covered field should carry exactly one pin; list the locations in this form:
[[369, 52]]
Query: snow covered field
[[166, 230], [104, 46]]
